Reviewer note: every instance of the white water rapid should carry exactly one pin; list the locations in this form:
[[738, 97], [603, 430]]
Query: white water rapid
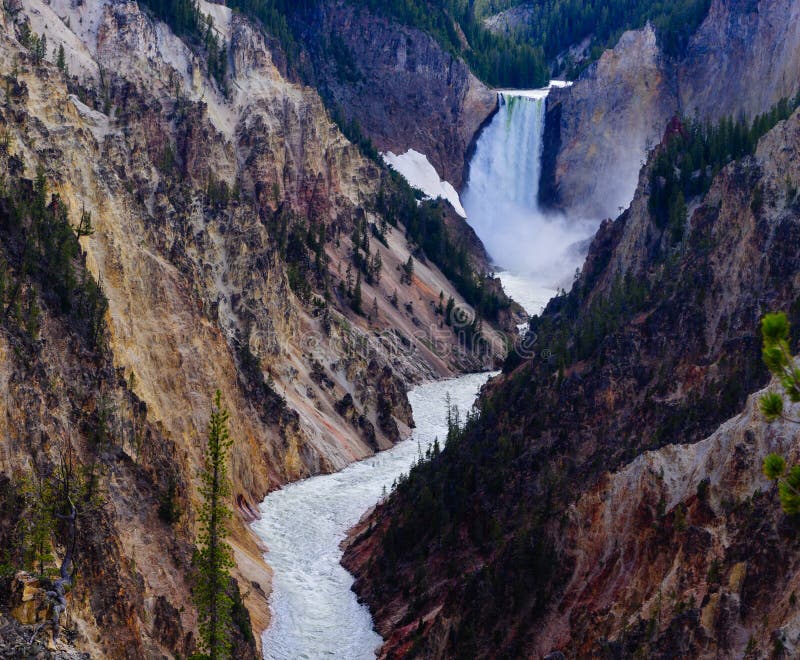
[[314, 612], [537, 253]]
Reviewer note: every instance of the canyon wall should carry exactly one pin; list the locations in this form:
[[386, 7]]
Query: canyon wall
[[397, 82], [206, 197], [555, 521], [743, 59]]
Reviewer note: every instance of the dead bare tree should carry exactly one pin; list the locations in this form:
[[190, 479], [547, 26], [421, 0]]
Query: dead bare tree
[[76, 498]]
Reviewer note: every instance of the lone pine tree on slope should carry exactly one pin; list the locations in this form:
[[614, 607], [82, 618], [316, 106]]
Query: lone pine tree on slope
[[214, 558]]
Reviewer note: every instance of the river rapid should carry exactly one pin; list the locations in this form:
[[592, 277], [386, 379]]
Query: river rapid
[[314, 612]]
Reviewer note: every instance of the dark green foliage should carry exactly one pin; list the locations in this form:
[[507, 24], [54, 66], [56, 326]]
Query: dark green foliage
[[346, 66], [33, 42], [168, 508], [695, 152], [302, 247], [241, 616], [497, 60], [61, 62], [355, 301], [757, 201], [577, 330], [408, 270], [558, 24], [214, 558], [779, 360], [520, 60], [217, 192], [351, 129], [452, 494], [272, 14], [362, 258], [37, 525], [425, 227], [183, 16], [523, 59], [44, 262]]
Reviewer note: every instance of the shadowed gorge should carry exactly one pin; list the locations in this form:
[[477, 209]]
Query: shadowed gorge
[[331, 328]]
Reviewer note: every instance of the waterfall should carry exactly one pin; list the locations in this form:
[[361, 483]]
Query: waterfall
[[537, 253], [508, 156]]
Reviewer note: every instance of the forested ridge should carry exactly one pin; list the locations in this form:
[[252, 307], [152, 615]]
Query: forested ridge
[[492, 495], [525, 58], [556, 25]]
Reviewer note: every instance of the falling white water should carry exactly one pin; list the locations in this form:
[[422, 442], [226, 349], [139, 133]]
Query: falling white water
[[314, 612], [537, 253]]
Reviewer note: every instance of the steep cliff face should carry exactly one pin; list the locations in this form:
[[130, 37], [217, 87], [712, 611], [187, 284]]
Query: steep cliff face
[[685, 551], [603, 123], [510, 21], [223, 243], [399, 85], [656, 343], [742, 60]]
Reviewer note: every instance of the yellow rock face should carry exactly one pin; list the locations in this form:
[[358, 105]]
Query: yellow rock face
[[29, 601]]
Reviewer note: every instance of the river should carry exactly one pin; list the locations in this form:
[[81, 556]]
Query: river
[[314, 612]]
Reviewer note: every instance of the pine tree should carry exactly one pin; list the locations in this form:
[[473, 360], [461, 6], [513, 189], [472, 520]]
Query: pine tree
[[408, 270], [777, 355], [214, 559], [61, 61], [356, 302], [38, 523]]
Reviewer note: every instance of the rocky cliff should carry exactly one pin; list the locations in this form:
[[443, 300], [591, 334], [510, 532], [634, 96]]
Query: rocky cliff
[[398, 83], [543, 526], [230, 222], [743, 59], [604, 123]]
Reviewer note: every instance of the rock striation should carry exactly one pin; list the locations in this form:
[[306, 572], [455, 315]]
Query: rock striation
[[404, 91], [204, 197]]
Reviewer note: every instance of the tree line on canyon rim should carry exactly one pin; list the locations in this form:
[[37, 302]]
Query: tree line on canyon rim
[[526, 57]]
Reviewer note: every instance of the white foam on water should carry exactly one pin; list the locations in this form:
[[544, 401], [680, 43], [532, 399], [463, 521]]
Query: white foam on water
[[314, 612], [538, 252]]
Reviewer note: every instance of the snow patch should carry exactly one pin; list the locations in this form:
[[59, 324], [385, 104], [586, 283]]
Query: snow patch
[[418, 171]]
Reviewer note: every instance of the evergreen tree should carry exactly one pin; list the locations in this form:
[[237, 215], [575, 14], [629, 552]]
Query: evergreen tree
[[214, 559], [779, 360], [355, 303], [408, 270], [61, 62], [38, 523]]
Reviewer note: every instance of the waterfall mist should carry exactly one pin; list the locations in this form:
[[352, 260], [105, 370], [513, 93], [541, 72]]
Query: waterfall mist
[[537, 252]]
